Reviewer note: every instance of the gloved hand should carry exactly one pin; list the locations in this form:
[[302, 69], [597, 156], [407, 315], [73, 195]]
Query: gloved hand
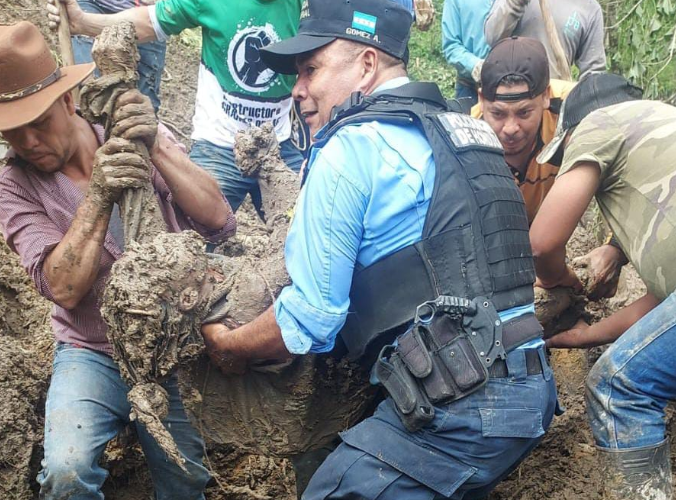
[[424, 14], [476, 72], [603, 264], [117, 166], [75, 15], [135, 119]]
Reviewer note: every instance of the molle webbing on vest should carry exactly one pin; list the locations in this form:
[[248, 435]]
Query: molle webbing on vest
[[475, 239]]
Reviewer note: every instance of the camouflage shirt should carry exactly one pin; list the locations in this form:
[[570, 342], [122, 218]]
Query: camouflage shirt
[[634, 144]]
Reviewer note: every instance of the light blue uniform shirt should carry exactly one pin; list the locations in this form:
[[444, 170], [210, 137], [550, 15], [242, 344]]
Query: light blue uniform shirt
[[462, 33], [366, 196]]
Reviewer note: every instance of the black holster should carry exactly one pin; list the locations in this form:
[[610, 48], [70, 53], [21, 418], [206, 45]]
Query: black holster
[[440, 359]]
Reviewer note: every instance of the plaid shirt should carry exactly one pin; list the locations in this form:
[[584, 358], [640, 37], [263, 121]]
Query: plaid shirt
[[36, 211]]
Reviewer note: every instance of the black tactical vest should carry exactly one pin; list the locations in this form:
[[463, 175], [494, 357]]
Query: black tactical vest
[[475, 238]]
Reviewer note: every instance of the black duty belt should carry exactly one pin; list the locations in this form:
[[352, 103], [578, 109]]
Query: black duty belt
[[515, 333], [521, 330], [533, 365]]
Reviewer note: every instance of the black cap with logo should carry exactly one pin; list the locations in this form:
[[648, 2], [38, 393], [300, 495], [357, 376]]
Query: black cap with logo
[[594, 91], [383, 24], [515, 56]]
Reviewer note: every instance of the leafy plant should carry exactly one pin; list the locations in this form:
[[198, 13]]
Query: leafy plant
[[641, 43], [426, 62]]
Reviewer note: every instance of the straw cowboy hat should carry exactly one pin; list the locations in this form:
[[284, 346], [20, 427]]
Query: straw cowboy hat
[[30, 80]]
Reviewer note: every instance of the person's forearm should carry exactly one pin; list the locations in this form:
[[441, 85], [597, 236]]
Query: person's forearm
[[452, 47], [502, 19], [259, 339], [610, 329], [550, 266], [73, 265], [193, 189], [93, 24], [457, 55]]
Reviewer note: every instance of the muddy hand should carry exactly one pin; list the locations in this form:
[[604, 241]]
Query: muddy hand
[[604, 265], [134, 118], [424, 14], [225, 361], [75, 15], [117, 166]]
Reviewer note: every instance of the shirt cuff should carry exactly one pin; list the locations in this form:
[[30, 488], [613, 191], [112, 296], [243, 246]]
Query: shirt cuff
[[215, 236], [159, 32], [304, 327], [39, 277]]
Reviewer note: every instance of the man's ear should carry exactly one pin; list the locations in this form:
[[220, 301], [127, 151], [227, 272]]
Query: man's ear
[[369, 66], [69, 102], [547, 97]]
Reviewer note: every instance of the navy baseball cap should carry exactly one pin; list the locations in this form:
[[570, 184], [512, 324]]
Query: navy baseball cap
[[383, 24]]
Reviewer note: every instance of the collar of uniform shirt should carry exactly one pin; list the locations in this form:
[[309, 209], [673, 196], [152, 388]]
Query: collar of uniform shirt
[[388, 85]]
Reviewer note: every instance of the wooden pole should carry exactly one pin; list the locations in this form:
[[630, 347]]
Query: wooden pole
[[66, 45], [560, 60]]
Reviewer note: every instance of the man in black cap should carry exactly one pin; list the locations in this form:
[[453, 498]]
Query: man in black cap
[[622, 151], [521, 104], [399, 254]]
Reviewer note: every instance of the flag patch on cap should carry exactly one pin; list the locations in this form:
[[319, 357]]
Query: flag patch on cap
[[364, 22]]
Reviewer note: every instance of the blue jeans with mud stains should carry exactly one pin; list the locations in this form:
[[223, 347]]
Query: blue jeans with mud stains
[[87, 407], [469, 447], [220, 163], [630, 385], [152, 54]]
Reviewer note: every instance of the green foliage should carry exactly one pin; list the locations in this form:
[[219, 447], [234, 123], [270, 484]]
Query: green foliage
[[641, 43], [427, 62]]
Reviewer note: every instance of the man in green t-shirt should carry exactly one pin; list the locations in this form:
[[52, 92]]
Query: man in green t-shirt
[[235, 89], [622, 151]]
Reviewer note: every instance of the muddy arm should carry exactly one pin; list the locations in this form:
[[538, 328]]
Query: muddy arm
[[73, 265], [257, 154], [607, 330], [116, 56]]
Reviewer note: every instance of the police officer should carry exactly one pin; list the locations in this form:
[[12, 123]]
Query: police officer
[[409, 248]]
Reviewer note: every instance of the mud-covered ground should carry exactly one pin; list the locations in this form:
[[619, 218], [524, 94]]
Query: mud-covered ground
[[563, 467]]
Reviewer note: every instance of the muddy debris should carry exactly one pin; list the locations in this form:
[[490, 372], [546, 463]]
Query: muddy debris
[[25, 355], [165, 286]]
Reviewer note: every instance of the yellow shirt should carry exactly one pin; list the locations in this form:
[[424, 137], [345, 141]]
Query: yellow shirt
[[539, 177]]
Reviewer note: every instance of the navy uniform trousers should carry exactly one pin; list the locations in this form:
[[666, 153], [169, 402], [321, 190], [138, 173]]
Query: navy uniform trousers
[[469, 447]]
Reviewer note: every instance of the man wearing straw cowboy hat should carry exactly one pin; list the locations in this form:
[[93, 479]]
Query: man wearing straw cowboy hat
[[58, 212]]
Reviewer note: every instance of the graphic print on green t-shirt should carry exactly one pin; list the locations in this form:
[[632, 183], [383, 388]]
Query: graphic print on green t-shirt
[[235, 89]]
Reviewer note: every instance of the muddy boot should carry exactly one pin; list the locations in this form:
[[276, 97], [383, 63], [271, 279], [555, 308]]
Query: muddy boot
[[636, 473]]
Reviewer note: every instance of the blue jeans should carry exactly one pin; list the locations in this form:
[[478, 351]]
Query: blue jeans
[[149, 67], [462, 91], [630, 385], [470, 446], [86, 407], [220, 163]]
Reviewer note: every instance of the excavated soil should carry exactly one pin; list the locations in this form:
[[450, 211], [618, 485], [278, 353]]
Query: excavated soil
[[563, 467]]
